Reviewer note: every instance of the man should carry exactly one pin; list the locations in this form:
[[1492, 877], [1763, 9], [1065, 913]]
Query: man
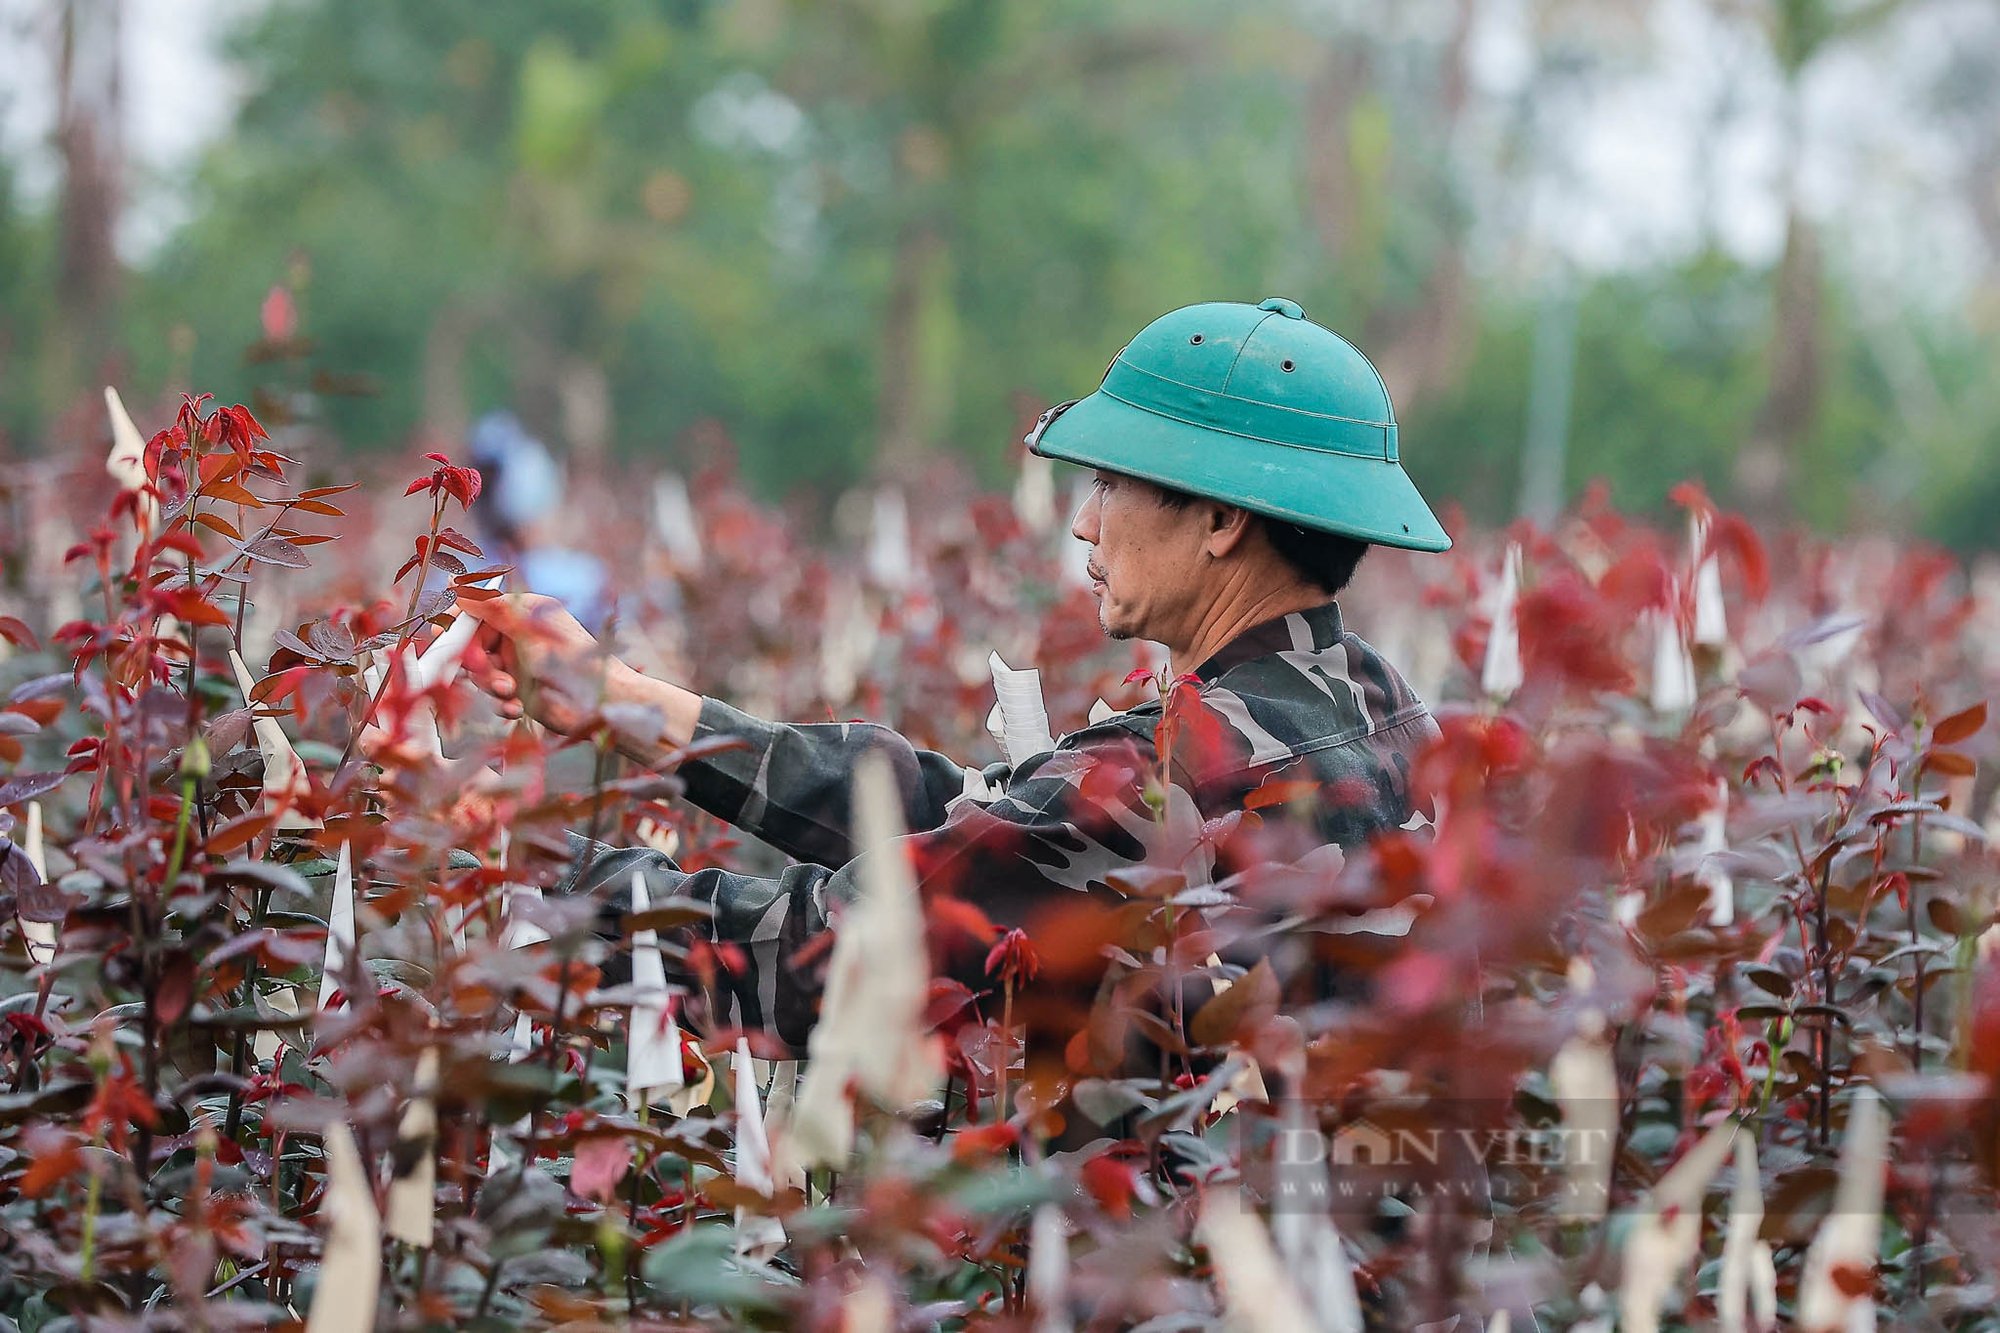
[[1244, 460]]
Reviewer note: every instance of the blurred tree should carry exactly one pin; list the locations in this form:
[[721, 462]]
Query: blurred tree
[[1799, 33], [854, 232], [822, 224]]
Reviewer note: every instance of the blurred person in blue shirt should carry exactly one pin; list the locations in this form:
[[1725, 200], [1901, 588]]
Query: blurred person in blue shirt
[[523, 489]]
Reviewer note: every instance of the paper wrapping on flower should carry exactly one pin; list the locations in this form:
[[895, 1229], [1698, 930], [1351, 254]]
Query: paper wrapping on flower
[[1024, 717], [1258, 1295], [1501, 674], [1711, 617], [757, 1236], [674, 520], [286, 786], [350, 1270], [1747, 1287], [653, 1038], [127, 461], [1674, 689], [340, 940], [1666, 1235], [871, 1033], [412, 1211], [1836, 1291], [41, 935]]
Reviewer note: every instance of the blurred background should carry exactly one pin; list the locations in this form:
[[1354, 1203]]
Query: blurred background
[[1755, 242]]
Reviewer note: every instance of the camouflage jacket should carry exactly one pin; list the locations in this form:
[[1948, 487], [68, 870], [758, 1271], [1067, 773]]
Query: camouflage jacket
[[1295, 699]]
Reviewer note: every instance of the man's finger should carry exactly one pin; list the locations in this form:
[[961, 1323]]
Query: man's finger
[[501, 614]]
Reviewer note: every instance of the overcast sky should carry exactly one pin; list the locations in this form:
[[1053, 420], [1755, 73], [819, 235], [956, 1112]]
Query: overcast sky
[[1634, 169]]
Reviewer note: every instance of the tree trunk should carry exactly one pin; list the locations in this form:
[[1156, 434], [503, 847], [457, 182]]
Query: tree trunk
[[1765, 467], [906, 410], [87, 140], [1421, 349], [1328, 149]]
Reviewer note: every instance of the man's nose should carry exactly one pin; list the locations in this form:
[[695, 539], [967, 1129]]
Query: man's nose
[[1083, 526]]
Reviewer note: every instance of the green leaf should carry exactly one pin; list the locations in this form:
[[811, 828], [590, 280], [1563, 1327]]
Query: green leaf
[[699, 1266]]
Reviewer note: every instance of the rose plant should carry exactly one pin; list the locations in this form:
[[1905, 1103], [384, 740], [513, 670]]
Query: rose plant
[[1691, 896]]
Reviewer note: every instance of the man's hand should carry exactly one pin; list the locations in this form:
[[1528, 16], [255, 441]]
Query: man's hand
[[533, 656]]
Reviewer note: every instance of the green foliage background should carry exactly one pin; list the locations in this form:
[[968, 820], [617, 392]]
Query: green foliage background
[[729, 207]]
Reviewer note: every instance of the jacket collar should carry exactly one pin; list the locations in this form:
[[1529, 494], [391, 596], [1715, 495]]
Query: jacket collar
[[1313, 629]]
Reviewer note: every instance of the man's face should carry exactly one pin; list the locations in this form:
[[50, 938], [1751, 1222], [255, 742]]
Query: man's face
[[1147, 565]]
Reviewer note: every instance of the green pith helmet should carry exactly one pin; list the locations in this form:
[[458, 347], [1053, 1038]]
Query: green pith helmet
[[1257, 407]]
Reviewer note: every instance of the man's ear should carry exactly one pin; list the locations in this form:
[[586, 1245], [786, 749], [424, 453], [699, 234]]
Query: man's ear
[[1228, 528]]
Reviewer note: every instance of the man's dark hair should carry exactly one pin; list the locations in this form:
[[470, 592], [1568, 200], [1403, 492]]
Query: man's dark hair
[[1326, 560]]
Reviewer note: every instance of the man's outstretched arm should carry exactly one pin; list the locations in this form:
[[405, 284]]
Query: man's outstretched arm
[[786, 784], [1066, 823], [766, 981]]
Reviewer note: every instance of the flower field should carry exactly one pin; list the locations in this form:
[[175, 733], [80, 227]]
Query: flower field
[[1678, 1011]]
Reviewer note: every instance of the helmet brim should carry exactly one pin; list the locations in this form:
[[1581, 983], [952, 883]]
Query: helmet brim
[[1372, 499]]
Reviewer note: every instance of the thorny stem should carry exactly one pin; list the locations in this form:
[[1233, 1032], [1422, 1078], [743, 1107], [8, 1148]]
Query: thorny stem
[[1910, 909], [90, 1205], [1825, 1032], [233, 1120], [1004, 1065], [403, 635], [530, 1148]]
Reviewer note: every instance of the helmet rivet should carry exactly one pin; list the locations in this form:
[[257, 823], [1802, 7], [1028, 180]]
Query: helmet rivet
[[1196, 340], [1287, 367]]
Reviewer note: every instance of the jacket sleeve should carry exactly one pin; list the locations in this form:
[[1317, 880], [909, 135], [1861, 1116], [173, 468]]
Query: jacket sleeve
[[789, 784], [765, 981], [1068, 821]]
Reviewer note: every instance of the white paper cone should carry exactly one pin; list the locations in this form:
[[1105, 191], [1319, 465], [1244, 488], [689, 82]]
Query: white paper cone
[[1711, 618], [1502, 674], [350, 1270], [674, 518], [1257, 1294], [267, 1044], [420, 724], [285, 780], [520, 932], [653, 1039], [520, 1045], [1307, 1241], [871, 1033], [890, 558], [1035, 493], [1024, 717], [1713, 825], [127, 461], [757, 1236], [1673, 669], [1666, 1236], [1585, 1082], [1048, 1270], [41, 935], [439, 664], [1739, 1245], [1850, 1237], [339, 928], [413, 1196]]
